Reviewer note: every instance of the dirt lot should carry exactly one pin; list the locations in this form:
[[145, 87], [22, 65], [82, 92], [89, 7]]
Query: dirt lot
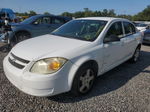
[[125, 88]]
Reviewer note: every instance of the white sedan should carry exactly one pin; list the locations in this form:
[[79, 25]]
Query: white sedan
[[71, 57]]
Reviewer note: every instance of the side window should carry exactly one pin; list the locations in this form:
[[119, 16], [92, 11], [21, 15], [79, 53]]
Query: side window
[[129, 28], [38, 21], [46, 20], [57, 21], [115, 30]]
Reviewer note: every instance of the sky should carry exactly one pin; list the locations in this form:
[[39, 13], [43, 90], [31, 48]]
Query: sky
[[57, 7]]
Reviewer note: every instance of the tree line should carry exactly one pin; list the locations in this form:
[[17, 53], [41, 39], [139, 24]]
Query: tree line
[[141, 16]]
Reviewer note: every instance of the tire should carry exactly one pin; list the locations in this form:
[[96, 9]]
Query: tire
[[136, 55], [83, 80], [12, 43]]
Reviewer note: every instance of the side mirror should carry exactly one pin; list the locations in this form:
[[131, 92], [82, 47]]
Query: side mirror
[[35, 23], [111, 38]]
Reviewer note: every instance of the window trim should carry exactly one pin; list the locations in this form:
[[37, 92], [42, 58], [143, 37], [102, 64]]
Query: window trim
[[124, 35]]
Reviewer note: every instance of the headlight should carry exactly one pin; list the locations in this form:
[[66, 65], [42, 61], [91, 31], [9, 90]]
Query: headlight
[[48, 66]]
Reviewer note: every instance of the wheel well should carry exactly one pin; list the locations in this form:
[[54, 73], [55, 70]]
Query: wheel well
[[93, 63], [139, 46], [21, 31]]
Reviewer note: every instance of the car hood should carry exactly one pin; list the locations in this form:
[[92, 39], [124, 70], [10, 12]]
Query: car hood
[[47, 46]]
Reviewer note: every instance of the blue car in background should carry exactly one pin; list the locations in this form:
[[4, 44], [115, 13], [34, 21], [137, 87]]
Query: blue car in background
[[146, 38], [34, 26], [145, 29]]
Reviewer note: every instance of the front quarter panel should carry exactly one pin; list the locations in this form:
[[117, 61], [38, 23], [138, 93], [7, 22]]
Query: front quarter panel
[[20, 28], [92, 53]]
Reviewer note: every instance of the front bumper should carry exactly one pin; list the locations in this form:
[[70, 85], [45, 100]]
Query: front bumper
[[36, 84]]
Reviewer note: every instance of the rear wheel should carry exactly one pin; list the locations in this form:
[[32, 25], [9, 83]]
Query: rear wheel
[[136, 55], [84, 80]]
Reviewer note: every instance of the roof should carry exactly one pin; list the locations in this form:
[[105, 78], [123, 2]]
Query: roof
[[103, 18]]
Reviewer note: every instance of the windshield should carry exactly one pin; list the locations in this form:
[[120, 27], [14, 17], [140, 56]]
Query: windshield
[[29, 20], [87, 30]]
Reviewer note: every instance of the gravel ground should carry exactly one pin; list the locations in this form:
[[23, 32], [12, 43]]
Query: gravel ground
[[125, 88]]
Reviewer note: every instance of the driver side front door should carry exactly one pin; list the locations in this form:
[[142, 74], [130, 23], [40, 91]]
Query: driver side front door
[[113, 50], [41, 26]]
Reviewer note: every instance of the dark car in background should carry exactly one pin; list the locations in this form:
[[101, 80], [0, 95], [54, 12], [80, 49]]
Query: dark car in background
[[34, 26], [144, 28], [146, 38]]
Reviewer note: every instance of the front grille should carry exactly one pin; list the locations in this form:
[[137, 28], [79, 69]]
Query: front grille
[[15, 64], [17, 61]]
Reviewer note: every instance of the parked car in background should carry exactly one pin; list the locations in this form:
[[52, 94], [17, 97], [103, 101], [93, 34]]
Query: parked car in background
[[146, 37], [145, 30], [33, 26], [71, 57], [141, 26]]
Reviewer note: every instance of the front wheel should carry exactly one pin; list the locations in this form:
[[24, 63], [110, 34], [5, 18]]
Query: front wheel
[[83, 81]]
